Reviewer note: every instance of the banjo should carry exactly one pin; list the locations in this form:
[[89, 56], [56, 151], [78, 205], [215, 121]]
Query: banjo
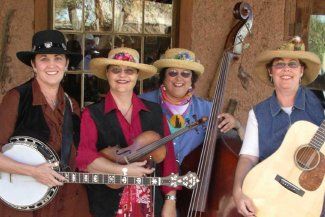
[[25, 193]]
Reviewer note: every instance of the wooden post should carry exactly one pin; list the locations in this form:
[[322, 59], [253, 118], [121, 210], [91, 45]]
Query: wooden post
[[42, 20]]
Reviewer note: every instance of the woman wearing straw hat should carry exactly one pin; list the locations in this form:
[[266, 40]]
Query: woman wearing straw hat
[[178, 72], [36, 109], [287, 69], [118, 120]]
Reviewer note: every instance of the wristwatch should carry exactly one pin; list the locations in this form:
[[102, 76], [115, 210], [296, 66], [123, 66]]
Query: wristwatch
[[170, 197]]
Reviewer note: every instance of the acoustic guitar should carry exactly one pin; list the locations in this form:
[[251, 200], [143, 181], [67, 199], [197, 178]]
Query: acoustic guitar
[[291, 182], [26, 194]]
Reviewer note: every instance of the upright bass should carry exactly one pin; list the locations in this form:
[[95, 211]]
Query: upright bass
[[206, 200]]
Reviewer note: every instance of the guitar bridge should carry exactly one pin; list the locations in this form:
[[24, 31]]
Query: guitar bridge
[[288, 185]]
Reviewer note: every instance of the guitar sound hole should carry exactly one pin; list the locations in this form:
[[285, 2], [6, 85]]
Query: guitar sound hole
[[307, 158]]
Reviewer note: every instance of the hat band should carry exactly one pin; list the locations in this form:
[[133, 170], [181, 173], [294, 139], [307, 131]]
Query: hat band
[[125, 57], [184, 56], [49, 45]]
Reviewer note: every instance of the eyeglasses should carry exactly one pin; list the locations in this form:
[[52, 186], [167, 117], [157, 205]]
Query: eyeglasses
[[184, 74], [282, 65], [128, 71]]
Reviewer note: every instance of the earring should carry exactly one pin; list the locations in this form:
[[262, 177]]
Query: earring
[[271, 79], [190, 89], [300, 80]]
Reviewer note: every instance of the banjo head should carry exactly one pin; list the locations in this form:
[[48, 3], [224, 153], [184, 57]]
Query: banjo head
[[24, 192]]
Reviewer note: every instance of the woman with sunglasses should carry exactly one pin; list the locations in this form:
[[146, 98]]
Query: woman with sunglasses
[[178, 73], [287, 69]]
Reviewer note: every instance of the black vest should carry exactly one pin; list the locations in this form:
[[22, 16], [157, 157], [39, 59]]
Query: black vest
[[104, 201], [31, 121]]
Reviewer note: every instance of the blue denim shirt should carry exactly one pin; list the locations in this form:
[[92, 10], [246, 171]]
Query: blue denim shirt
[[273, 122], [187, 142]]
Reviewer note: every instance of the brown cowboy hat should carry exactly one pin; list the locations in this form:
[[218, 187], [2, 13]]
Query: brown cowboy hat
[[122, 56], [294, 49]]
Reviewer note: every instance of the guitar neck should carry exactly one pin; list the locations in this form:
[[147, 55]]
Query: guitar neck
[[319, 138], [98, 178]]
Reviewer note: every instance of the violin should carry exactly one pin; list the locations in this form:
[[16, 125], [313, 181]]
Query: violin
[[148, 145]]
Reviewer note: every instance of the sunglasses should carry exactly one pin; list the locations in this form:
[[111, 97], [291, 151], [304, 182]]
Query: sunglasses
[[128, 71], [184, 74], [282, 65]]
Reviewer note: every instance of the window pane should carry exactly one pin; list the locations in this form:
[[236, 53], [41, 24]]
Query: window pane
[[68, 14], [154, 47], [95, 89], [128, 41], [128, 16], [72, 85], [316, 39], [98, 15], [96, 46], [158, 17], [74, 42]]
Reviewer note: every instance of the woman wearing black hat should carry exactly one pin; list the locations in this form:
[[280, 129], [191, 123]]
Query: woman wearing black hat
[[38, 109]]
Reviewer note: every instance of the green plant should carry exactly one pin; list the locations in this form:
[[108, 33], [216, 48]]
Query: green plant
[[316, 36]]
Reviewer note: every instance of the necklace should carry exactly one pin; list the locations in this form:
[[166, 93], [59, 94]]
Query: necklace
[[53, 102], [127, 110]]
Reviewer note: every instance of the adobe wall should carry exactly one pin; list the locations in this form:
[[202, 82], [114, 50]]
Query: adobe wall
[[20, 33], [211, 23]]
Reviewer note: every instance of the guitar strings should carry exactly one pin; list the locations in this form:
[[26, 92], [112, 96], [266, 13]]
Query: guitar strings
[[309, 153]]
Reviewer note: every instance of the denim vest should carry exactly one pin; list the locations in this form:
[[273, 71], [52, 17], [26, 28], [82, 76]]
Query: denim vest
[[273, 122]]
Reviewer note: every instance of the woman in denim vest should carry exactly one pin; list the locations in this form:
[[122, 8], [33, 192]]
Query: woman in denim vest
[[288, 69]]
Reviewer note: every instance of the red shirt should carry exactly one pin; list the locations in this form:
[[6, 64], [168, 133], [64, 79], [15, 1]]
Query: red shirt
[[87, 151]]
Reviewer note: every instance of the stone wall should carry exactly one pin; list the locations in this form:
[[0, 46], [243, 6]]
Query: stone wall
[[20, 34]]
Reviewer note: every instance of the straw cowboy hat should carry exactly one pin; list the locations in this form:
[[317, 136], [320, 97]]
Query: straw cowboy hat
[[48, 42], [294, 49], [122, 56], [179, 58]]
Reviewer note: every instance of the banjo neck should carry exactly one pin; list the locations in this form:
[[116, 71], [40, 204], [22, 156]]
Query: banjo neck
[[189, 180]]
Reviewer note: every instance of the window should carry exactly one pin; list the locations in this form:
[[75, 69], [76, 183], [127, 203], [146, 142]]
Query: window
[[316, 37], [316, 44], [93, 27]]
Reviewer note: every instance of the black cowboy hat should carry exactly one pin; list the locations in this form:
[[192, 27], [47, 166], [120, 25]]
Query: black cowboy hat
[[48, 42]]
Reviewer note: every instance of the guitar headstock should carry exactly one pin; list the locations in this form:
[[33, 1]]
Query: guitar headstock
[[189, 180]]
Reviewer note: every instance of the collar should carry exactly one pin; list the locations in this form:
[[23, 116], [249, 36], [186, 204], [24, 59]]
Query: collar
[[110, 104], [39, 98], [300, 101]]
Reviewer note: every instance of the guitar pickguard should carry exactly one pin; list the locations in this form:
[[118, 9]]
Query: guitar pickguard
[[312, 179]]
